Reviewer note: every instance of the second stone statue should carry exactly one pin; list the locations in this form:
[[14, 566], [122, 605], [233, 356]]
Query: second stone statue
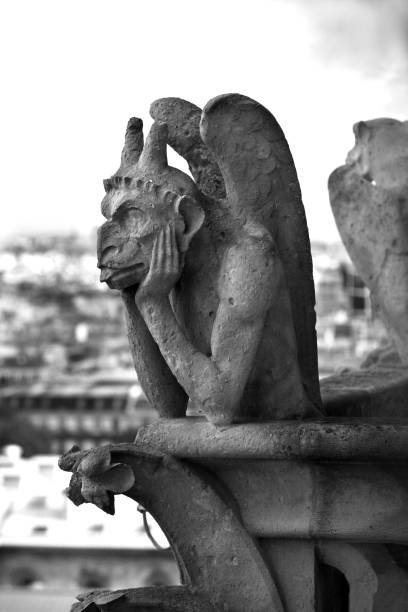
[[215, 272]]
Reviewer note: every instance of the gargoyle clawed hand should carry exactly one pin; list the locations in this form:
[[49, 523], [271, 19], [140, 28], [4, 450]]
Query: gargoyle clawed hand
[[165, 266], [213, 307]]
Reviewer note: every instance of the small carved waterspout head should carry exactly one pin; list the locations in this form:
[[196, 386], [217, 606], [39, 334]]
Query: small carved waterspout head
[[143, 197]]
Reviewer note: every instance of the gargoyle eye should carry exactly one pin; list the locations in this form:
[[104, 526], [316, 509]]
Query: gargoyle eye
[[108, 253]]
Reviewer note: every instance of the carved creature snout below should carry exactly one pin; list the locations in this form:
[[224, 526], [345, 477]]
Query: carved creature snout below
[[215, 272], [95, 479]]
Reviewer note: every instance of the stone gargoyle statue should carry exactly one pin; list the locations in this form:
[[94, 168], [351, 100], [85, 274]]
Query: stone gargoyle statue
[[369, 198], [215, 272]]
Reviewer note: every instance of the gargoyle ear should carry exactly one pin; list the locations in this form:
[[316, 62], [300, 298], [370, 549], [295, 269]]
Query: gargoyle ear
[[193, 216]]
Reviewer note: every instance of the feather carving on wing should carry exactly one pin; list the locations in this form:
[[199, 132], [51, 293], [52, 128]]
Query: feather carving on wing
[[183, 125], [236, 150]]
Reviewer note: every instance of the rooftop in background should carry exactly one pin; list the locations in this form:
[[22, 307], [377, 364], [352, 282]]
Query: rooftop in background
[[44, 242], [109, 384], [34, 511]]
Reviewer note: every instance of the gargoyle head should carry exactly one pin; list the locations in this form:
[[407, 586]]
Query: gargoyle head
[[380, 153], [142, 197]]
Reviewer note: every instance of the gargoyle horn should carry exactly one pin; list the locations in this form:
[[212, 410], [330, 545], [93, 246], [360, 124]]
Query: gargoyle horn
[[154, 155], [133, 145]]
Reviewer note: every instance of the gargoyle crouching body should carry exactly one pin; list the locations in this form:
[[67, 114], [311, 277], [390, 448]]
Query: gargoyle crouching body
[[211, 311]]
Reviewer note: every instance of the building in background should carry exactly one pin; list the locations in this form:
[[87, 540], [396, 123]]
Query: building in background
[[347, 328], [88, 411]]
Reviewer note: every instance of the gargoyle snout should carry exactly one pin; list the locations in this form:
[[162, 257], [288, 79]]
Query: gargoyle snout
[[106, 273]]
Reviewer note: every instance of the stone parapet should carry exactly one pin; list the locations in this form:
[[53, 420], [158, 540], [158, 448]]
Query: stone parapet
[[244, 505], [353, 439]]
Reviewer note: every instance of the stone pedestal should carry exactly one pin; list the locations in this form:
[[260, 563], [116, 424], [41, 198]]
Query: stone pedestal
[[288, 516], [216, 277]]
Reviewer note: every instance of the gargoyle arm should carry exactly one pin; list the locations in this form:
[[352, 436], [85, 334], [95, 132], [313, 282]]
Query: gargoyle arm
[[161, 387], [251, 274]]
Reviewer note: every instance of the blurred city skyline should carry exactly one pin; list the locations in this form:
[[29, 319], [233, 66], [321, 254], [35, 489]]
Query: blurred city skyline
[[75, 72]]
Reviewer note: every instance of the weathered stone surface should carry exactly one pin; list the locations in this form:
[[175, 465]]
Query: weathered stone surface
[[377, 391], [328, 439], [376, 583], [212, 511], [94, 478], [326, 480], [369, 198], [314, 500], [183, 122], [218, 559], [219, 291], [293, 563]]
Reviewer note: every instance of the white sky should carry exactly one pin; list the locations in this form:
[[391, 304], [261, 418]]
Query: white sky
[[74, 71]]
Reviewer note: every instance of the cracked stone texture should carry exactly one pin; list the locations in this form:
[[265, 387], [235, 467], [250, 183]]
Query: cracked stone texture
[[369, 198]]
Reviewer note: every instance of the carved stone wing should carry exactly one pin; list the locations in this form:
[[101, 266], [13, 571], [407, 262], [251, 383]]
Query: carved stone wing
[[183, 124], [242, 153], [260, 178]]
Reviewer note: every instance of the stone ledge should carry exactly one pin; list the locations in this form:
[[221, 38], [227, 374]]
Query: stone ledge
[[370, 392], [329, 439], [359, 501]]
